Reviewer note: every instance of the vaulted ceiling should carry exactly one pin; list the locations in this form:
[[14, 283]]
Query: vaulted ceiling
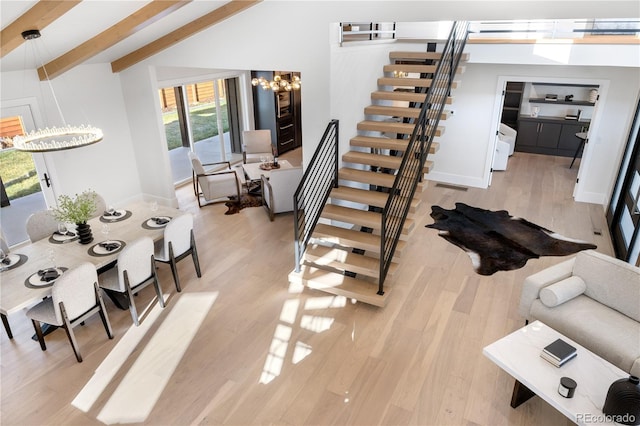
[[93, 31]]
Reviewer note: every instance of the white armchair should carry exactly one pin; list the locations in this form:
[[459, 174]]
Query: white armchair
[[278, 190], [508, 135], [256, 144], [215, 185]]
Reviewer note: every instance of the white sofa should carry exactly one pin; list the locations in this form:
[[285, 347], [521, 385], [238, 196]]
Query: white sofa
[[593, 299], [278, 190]]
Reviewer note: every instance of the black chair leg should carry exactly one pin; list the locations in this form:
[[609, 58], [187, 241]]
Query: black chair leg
[[174, 271], [66, 324], [103, 312], [36, 326], [7, 327], [194, 255], [132, 306]]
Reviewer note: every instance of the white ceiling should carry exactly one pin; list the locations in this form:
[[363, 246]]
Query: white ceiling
[[91, 17], [86, 20]]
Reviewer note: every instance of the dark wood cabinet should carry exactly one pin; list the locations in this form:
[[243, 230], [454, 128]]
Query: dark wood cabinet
[[550, 136], [511, 105], [279, 112], [569, 142]]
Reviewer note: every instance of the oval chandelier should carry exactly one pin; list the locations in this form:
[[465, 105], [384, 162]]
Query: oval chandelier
[[278, 83], [55, 138]]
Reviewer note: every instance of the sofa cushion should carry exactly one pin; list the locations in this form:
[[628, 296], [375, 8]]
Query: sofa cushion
[[604, 331], [562, 291], [610, 281]]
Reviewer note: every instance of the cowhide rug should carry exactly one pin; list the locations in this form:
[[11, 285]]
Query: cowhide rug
[[246, 200], [496, 241]]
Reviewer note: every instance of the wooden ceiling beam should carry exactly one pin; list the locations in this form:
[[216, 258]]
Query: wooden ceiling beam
[[37, 18], [135, 22], [212, 18]]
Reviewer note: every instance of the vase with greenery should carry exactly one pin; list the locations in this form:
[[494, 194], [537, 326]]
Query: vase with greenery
[[77, 210]]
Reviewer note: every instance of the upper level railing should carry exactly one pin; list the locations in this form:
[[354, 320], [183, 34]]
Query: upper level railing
[[576, 31], [367, 31], [411, 168], [320, 176]]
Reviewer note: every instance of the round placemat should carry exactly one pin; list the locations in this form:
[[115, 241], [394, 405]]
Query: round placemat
[[156, 222], [124, 214], [99, 250], [35, 281], [15, 260], [56, 238]]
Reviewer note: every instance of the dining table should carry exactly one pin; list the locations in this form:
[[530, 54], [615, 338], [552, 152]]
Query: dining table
[[21, 285]]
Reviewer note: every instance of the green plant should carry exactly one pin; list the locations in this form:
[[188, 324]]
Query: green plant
[[76, 210]]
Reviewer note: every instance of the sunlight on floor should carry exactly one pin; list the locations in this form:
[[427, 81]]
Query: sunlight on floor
[[282, 335], [113, 362], [140, 389]]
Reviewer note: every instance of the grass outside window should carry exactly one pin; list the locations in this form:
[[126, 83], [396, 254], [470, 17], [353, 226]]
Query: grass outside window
[[18, 173], [203, 124]]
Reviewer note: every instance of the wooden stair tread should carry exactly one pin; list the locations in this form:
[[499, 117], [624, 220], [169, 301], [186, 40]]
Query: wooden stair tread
[[387, 143], [374, 178], [379, 160], [415, 55], [416, 68], [366, 197], [410, 82], [422, 55], [403, 96], [392, 127], [351, 238], [364, 176], [408, 112], [359, 217], [340, 285], [344, 260]]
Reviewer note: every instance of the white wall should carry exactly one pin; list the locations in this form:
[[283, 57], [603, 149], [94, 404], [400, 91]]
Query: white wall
[[90, 94], [132, 160]]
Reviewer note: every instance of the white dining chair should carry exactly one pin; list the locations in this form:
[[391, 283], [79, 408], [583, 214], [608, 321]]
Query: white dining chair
[[135, 269], [75, 297], [41, 224], [178, 243], [101, 206]]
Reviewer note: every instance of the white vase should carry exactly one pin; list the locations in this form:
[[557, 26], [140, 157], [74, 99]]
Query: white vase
[[593, 95]]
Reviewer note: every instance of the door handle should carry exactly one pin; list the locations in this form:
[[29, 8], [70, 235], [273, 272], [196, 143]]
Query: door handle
[[46, 180]]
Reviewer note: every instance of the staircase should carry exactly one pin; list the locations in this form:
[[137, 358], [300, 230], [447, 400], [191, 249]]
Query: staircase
[[357, 237]]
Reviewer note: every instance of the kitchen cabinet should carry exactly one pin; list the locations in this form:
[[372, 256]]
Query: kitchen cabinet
[[548, 135]]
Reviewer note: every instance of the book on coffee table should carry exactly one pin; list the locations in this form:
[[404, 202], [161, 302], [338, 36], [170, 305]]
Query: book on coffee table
[[558, 352]]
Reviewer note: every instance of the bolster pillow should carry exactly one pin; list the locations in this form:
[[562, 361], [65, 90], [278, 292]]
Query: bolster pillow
[[562, 291]]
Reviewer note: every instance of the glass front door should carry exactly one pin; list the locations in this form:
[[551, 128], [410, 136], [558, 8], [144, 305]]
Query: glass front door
[[25, 184]]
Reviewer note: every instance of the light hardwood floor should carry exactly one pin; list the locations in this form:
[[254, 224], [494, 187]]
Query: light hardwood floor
[[241, 346]]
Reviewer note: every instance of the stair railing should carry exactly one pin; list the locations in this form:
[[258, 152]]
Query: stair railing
[[410, 171], [320, 176]]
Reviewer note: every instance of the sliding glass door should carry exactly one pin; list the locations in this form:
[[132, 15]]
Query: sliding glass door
[[623, 215], [199, 117]]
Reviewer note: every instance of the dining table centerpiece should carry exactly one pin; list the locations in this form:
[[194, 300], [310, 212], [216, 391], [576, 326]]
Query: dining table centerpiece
[[78, 210]]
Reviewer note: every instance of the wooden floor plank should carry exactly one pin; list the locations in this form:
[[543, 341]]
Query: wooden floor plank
[[271, 352]]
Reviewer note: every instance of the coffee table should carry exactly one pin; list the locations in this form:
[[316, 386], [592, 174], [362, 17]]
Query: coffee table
[[254, 173], [519, 355], [253, 170]]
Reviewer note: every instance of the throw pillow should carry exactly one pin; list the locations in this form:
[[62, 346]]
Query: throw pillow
[[562, 291]]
